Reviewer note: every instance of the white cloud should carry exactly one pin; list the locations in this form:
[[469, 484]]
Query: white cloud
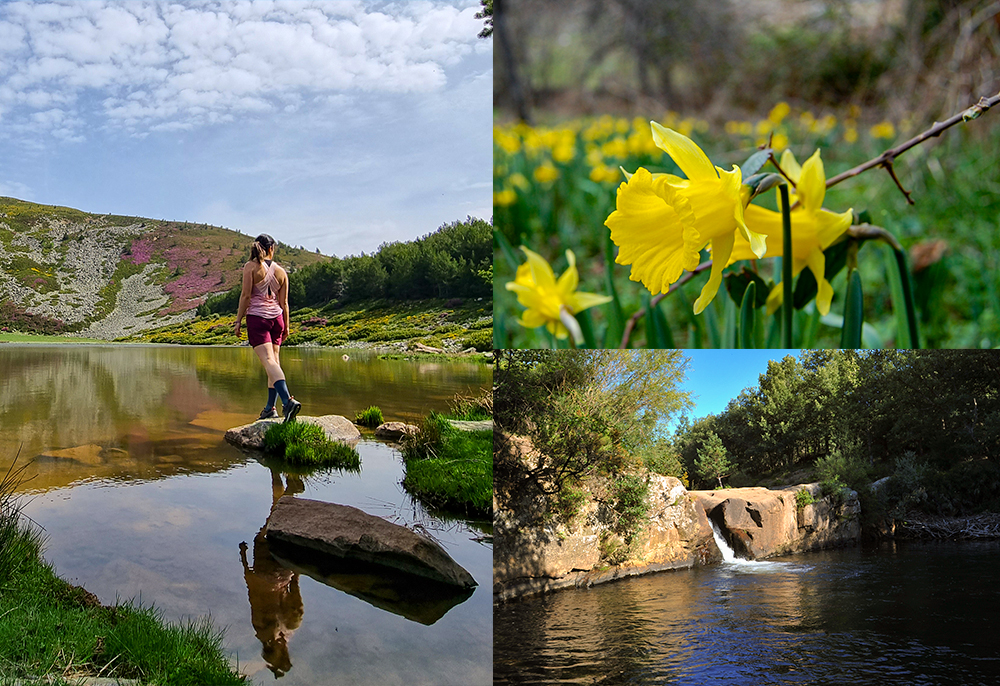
[[165, 66]]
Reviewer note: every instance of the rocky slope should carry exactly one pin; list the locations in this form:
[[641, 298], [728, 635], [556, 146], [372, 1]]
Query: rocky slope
[[106, 276]]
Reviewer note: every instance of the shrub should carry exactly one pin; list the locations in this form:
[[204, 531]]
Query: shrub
[[472, 408], [803, 498], [302, 443], [842, 468], [628, 501], [569, 501], [370, 416], [481, 340]]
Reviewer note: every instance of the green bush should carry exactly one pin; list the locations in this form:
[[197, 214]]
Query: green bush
[[569, 501], [371, 416], [307, 444], [803, 498], [481, 340], [844, 468], [628, 501]]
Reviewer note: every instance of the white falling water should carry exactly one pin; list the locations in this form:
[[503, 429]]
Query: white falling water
[[727, 553]]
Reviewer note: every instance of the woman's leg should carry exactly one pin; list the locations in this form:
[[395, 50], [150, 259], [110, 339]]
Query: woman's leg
[[266, 354]]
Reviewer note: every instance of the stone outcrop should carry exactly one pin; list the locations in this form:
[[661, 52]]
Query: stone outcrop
[[394, 431], [348, 533], [337, 428], [536, 551], [535, 554], [760, 523]]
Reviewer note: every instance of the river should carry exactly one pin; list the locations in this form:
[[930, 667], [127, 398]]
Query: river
[[140, 497], [915, 613]]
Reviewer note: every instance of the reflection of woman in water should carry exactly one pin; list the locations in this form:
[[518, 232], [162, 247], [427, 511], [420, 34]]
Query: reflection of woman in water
[[264, 301], [275, 603]]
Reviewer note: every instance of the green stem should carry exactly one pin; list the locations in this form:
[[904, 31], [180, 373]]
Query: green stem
[[911, 313], [786, 267]]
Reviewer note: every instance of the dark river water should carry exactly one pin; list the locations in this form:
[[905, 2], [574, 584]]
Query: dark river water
[[140, 497], [919, 613]]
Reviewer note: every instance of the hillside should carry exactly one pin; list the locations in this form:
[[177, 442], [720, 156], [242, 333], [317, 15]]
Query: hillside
[[107, 276]]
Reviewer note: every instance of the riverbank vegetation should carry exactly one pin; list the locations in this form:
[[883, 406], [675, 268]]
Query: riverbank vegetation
[[587, 414], [451, 325], [301, 443], [916, 433], [49, 628], [452, 469]]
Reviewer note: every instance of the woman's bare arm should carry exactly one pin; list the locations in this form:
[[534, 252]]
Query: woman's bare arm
[[283, 301], [245, 294]]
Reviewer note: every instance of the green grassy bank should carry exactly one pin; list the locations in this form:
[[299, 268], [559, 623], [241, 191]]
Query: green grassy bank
[[449, 325], [451, 469], [49, 628]]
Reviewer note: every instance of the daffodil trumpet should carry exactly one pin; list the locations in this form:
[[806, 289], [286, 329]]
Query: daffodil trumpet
[[662, 222]]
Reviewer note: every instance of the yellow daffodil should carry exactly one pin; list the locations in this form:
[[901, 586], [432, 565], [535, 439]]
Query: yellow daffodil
[[663, 221], [538, 290], [813, 228]]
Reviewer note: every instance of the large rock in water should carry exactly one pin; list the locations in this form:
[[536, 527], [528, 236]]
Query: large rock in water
[[760, 522], [337, 428], [347, 532]]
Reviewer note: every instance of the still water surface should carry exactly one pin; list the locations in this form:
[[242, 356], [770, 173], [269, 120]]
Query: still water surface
[[140, 497], [913, 614]]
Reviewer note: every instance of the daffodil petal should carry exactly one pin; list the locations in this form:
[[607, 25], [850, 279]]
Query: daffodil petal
[[811, 185], [557, 329], [824, 294], [830, 225], [541, 272], [689, 157], [775, 298], [722, 246], [580, 301], [570, 278], [790, 165], [532, 318]]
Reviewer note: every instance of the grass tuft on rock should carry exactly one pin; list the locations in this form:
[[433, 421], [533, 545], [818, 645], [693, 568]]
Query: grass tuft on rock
[[307, 444], [450, 469], [371, 416], [49, 627]]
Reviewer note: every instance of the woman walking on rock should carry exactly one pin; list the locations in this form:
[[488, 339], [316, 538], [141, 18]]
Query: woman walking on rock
[[264, 301]]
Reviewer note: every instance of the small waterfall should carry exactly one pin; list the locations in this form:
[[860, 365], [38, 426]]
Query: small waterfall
[[727, 553]]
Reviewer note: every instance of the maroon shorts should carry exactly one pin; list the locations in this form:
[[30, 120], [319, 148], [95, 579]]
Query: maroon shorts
[[260, 330]]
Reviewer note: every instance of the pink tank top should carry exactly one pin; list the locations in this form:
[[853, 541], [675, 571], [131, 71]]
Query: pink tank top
[[264, 295]]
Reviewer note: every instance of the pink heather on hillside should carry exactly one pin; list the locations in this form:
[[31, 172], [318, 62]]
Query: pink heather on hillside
[[192, 285], [142, 250], [182, 257]]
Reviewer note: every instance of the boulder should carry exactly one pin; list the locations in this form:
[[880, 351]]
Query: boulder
[[337, 428], [394, 431], [760, 522], [420, 347], [347, 532]]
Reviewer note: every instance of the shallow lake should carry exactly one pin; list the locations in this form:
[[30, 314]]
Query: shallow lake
[[140, 497], [902, 614]]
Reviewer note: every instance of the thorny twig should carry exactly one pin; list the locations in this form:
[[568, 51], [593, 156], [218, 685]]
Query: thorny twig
[[634, 319], [885, 160]]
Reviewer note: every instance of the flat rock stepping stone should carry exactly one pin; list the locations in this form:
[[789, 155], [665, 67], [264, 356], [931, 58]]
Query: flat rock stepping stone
[[395, 430], [462, 425], [347, 532], [337, 428]]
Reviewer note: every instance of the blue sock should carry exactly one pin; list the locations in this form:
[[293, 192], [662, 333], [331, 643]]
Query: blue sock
[[272, 395], [281, 388]]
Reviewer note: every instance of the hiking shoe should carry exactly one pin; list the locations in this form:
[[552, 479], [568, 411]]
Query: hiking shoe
[[269, 414], [291, 409]]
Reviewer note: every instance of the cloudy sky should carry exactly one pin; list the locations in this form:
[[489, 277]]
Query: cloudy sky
[[336, 125]]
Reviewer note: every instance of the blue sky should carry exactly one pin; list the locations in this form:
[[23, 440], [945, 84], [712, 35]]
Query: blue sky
[[336, 125], [717, 376]]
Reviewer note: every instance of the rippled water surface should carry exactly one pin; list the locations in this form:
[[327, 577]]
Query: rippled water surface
[[140, 496], [903, 614]]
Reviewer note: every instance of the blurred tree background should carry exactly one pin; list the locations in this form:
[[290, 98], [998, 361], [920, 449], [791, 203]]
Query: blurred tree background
[[577, 81]]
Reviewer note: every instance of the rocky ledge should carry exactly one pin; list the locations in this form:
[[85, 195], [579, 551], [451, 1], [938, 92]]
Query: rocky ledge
[[347, 532], [337, 428]]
